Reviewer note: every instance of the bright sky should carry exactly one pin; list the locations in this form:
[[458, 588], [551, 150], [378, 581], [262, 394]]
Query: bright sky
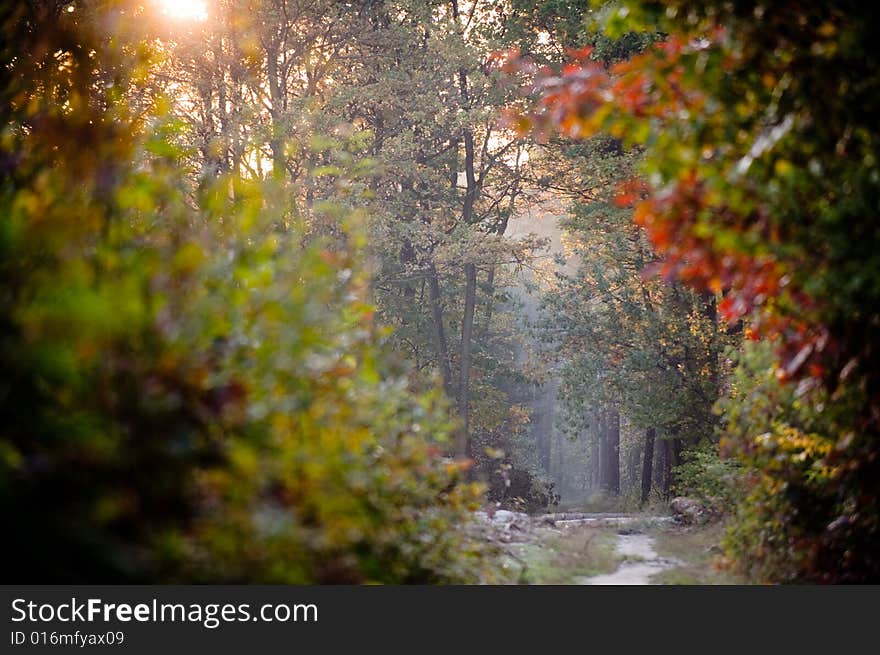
[[185, 9]]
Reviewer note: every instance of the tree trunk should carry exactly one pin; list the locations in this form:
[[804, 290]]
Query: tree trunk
[[595, 452], [276, 140], [659, 463], [439, 332], [470, 272], [490, 300], [560, 461], [669, 460], [542, 428], [611, 481], [467, 328], [223, 152], [633, 468], [648, 464]]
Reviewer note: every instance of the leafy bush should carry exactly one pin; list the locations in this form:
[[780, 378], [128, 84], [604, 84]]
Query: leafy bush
[[803, 517], [190, 388], [521, 490], [706, 475]]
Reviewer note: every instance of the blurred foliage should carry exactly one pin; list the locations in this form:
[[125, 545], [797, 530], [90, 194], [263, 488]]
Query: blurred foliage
[[192, 385]]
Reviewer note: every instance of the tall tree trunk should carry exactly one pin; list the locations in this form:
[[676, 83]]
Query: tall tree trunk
[[222, 112], [648, 464], [659, 464], [611, 469], [542, 428], [633, 468], [668, 463], [675, 448], [236, 143], [213, 165], [596, 452], [439, 332], [276, 139], [560, 461], [490, 300], [467, 328], [470, 273]]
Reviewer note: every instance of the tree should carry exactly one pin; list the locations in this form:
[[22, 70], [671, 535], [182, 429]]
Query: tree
[[761, 179], [448, 178], [631, 344]]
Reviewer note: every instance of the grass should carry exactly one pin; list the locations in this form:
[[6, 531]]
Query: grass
[[581, 552], [600, 503], [560, 560], [697, 548]]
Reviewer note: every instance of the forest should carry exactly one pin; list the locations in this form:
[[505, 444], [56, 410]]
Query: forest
[[440, 291]]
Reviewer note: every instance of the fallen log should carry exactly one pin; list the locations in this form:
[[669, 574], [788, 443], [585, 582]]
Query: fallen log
[[577, 516]]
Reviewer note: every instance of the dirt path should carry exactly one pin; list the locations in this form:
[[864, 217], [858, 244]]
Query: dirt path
[[579, 548], [640, 563]]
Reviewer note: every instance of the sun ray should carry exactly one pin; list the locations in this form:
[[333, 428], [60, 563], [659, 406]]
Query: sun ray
[[196, 10]]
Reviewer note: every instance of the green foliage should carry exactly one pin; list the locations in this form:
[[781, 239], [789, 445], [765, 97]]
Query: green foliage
[[788, 214], [568, 558], [697, 550], [797, 476], [192, 385], [424, 87], [519, 489], [560, 21], [706, 475], [762, 179], [644, 345]]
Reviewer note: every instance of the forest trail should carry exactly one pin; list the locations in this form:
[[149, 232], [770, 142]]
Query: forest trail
[[603, 548], [640, 562]]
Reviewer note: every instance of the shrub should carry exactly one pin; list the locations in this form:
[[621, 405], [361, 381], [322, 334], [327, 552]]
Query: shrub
[[708, 476], [802, 518], [190, 391]]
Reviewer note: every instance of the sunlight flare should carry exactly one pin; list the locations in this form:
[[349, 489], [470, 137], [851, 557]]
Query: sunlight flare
[[196, 10]]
